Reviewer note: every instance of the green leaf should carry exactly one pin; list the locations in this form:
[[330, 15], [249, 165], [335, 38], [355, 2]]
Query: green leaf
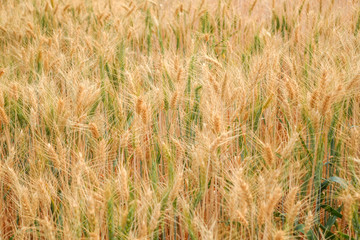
[[345, 236], [331, 221], [328, 235], [338, 180], [311, 235], [331, 210], [300, 228]]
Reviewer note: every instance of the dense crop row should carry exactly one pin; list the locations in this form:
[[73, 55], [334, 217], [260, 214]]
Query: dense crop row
[[179, 119]]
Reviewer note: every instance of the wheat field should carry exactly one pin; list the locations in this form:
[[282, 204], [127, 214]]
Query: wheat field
[[194, 119]]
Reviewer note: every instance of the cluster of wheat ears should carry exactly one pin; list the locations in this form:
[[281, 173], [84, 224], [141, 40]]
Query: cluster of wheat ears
[[160, 119]]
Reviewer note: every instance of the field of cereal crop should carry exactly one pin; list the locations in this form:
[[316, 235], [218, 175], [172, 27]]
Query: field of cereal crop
[[194, 119]]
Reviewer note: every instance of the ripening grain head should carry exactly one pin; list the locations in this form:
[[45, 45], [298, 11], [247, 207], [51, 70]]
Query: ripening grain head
[[204, 119]]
